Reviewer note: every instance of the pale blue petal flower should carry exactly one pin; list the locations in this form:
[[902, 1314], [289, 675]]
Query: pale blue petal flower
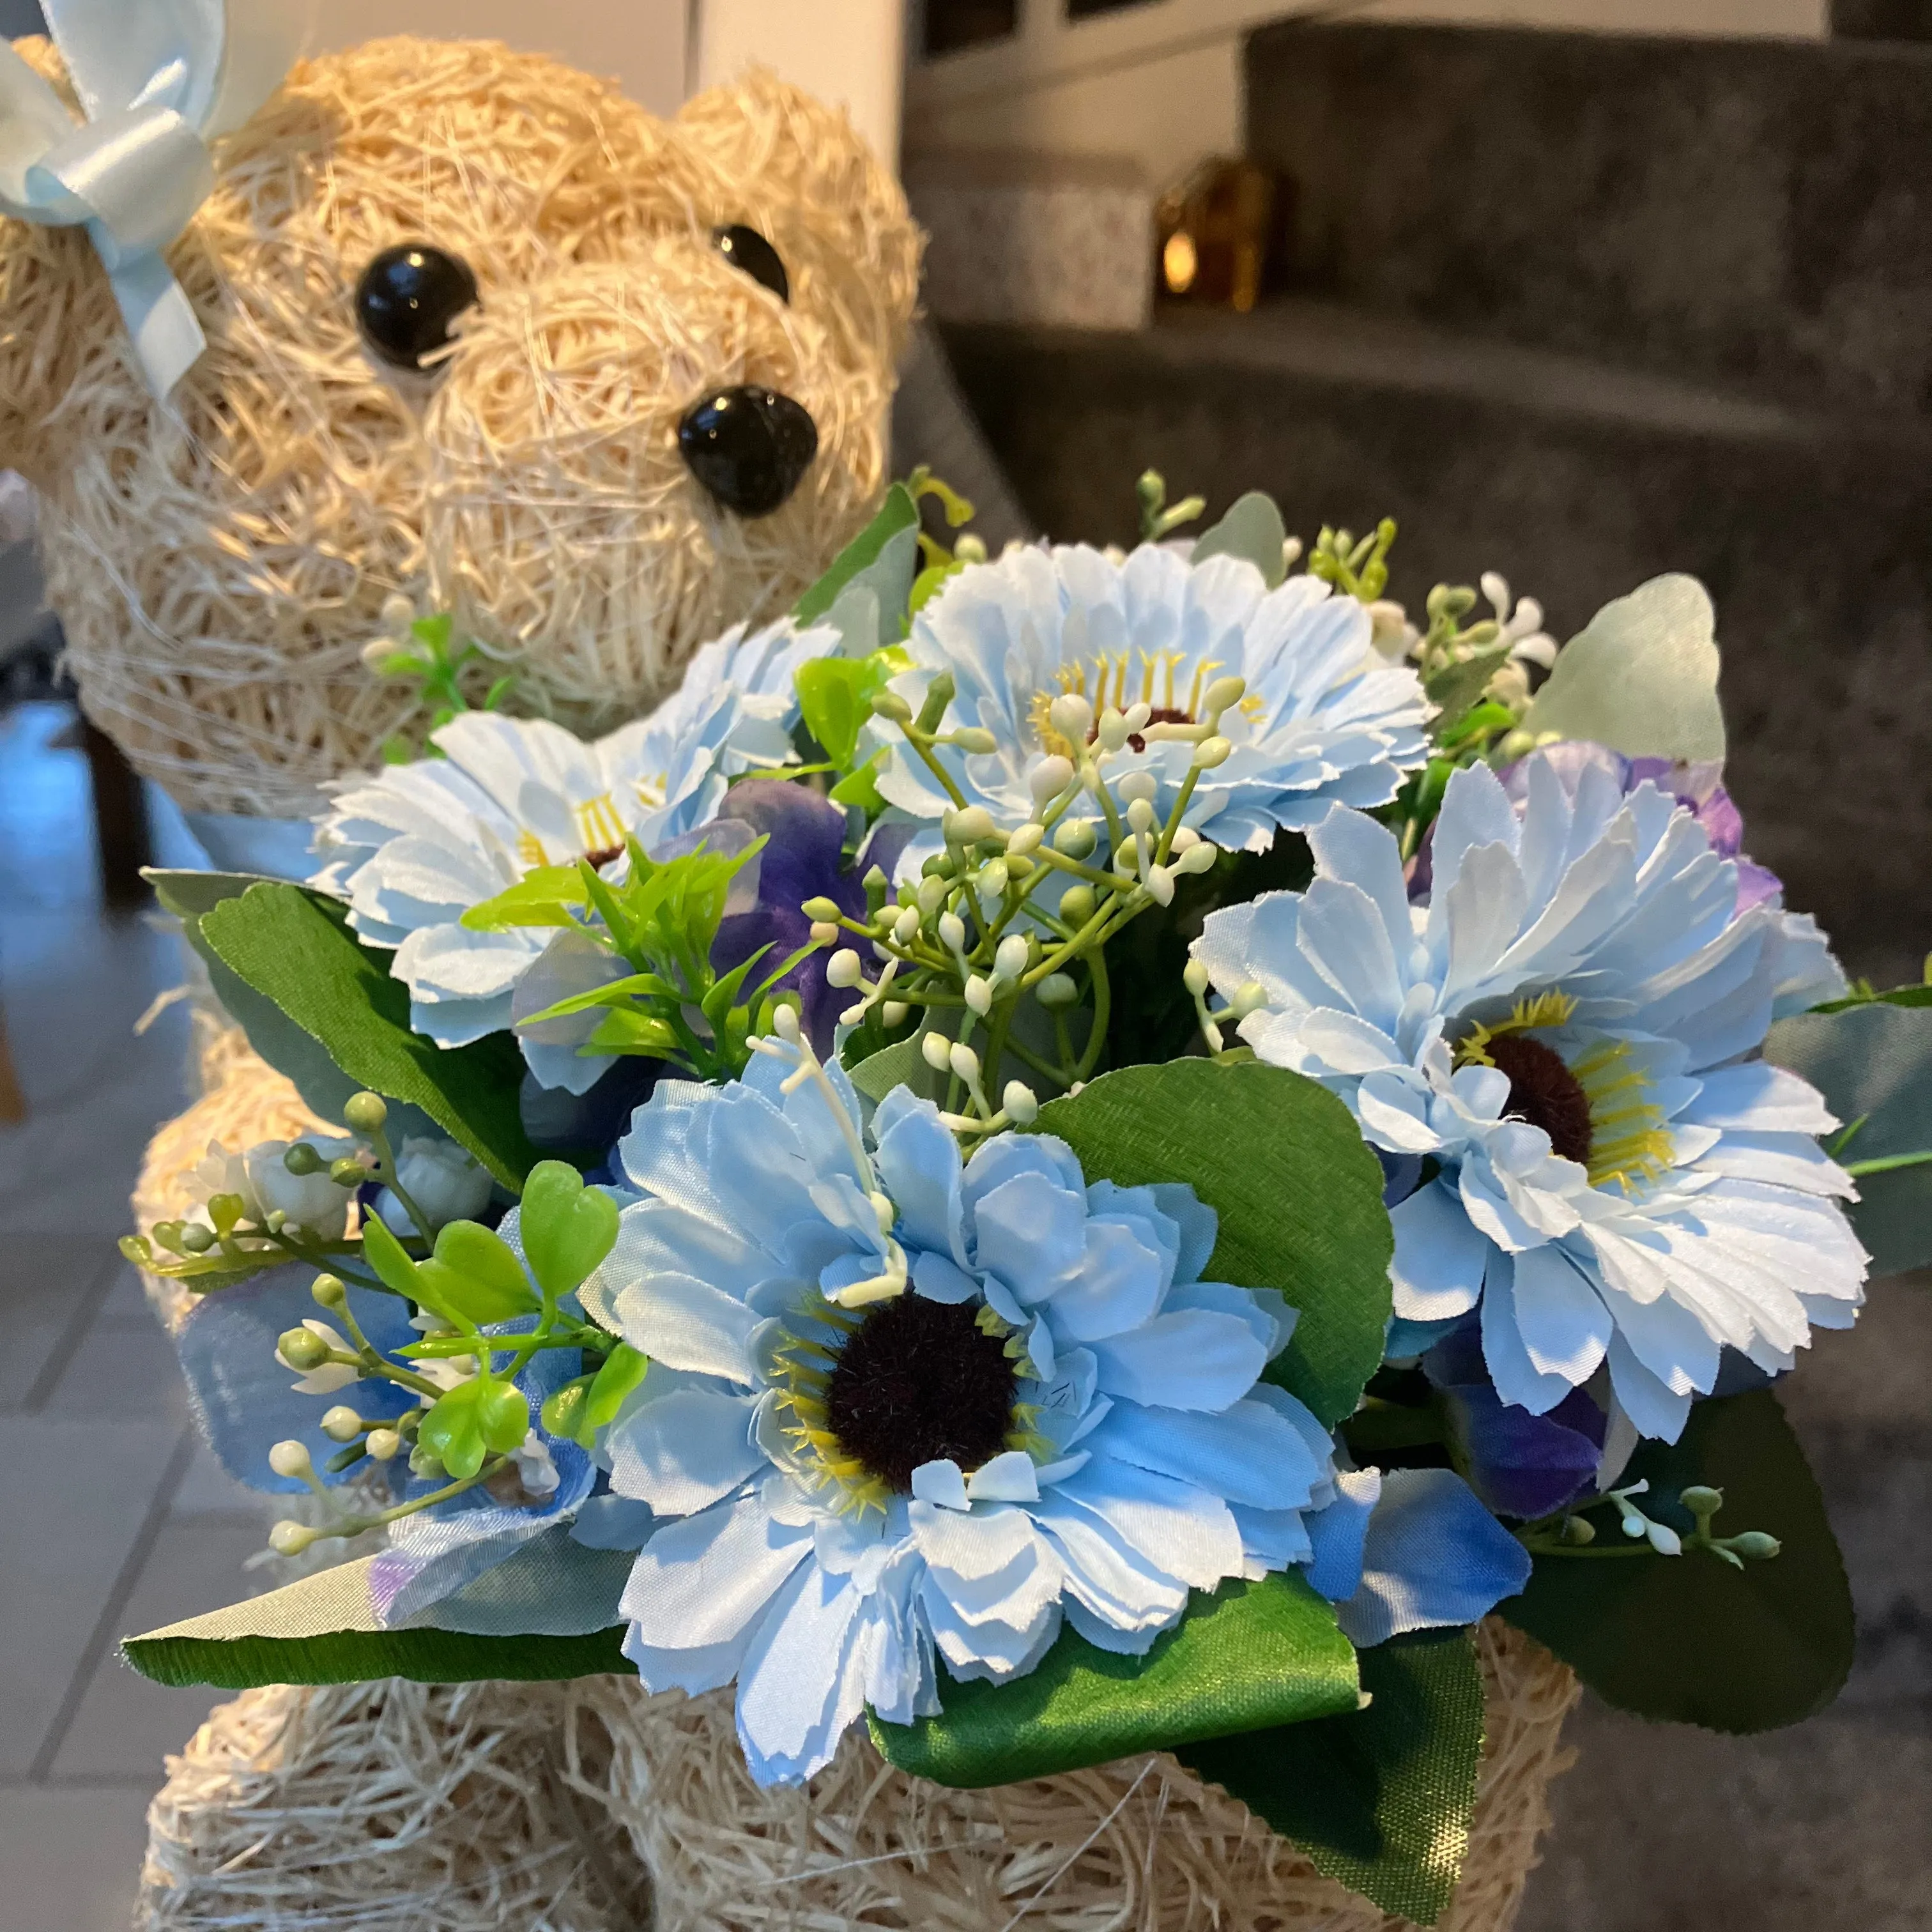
[[803, 1539], [1433, 1558], [1565, 1024], [414, 847], [1324, 720], [610, 1522]]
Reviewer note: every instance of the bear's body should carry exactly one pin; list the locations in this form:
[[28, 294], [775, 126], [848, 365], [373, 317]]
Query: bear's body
[[220, 560]]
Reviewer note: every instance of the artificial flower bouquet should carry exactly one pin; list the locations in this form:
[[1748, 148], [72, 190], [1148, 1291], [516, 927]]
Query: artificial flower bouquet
[[1061, 1156]]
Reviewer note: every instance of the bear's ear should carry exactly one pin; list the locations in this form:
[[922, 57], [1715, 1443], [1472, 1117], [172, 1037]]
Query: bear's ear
[[52, 292], [798, 170]]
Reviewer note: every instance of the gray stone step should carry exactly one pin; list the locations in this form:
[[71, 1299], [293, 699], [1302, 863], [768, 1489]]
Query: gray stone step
[[1755, 212], [1577, 480]]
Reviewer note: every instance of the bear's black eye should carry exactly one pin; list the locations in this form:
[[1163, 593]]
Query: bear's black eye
[[407, 298], [746, 248]]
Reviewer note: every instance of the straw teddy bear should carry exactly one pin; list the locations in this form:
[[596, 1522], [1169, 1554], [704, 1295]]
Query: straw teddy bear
[[480, 335]]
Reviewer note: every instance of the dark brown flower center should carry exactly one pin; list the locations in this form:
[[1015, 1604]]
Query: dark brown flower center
[[920, 1382], [1545, 1093]]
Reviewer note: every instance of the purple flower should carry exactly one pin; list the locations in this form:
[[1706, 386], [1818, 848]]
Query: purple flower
[[571, 1100], [804, 859], [1520, 1465]]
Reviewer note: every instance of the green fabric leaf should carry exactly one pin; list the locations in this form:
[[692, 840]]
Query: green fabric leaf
[[1251, 1656], [1873, 1063], [1253, 529], [884, 554], [1642, 676], [1379, 1799], [901, 1064], [1688, 1638], [567, 1228], [1299, 1194], [321, 1630], [295, 948], [292, 1053]]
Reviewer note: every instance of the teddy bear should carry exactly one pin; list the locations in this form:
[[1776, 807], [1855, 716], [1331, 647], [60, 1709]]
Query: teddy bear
[[484, 338]]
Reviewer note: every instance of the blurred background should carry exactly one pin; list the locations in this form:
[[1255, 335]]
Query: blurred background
[[1577, 290]]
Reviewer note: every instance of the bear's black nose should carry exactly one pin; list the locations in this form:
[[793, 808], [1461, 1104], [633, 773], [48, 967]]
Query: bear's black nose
[[748, 446]]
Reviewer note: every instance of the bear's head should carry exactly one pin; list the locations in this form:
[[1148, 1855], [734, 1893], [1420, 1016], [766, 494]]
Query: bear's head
[[664, 413]]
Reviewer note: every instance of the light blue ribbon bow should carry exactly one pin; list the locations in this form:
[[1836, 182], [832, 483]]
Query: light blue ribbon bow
[[158, 80]]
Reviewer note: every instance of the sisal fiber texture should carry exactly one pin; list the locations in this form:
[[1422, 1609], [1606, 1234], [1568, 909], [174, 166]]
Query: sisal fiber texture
[[595, 1807], [219, 560]]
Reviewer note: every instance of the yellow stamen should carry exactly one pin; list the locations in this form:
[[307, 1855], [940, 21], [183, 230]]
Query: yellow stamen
[[598, 827], [1541, 1010], [1631, 1143]]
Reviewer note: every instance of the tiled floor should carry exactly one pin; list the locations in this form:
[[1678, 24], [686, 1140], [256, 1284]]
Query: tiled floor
[[115, 1520]]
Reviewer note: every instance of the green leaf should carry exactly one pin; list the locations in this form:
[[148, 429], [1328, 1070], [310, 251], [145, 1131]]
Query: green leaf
[[549, 896], [454, 1429], [477, 1271], [1873, 1063], [624, 1368], [1380, 1799], [567, 1228], [1299, 1194], [503, 1414], [293, 947], [616, 993], [390, 1260], [1920, 995], [887, 548], [901, 1064], [1252, 528], [323, 1086], [929, 583], [1457, 688], [834, 697], [323, 1630], [1689, 1638], [1250, 1656], [563, 1410], [623, 1031], [861, 787], [1642, 677]]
